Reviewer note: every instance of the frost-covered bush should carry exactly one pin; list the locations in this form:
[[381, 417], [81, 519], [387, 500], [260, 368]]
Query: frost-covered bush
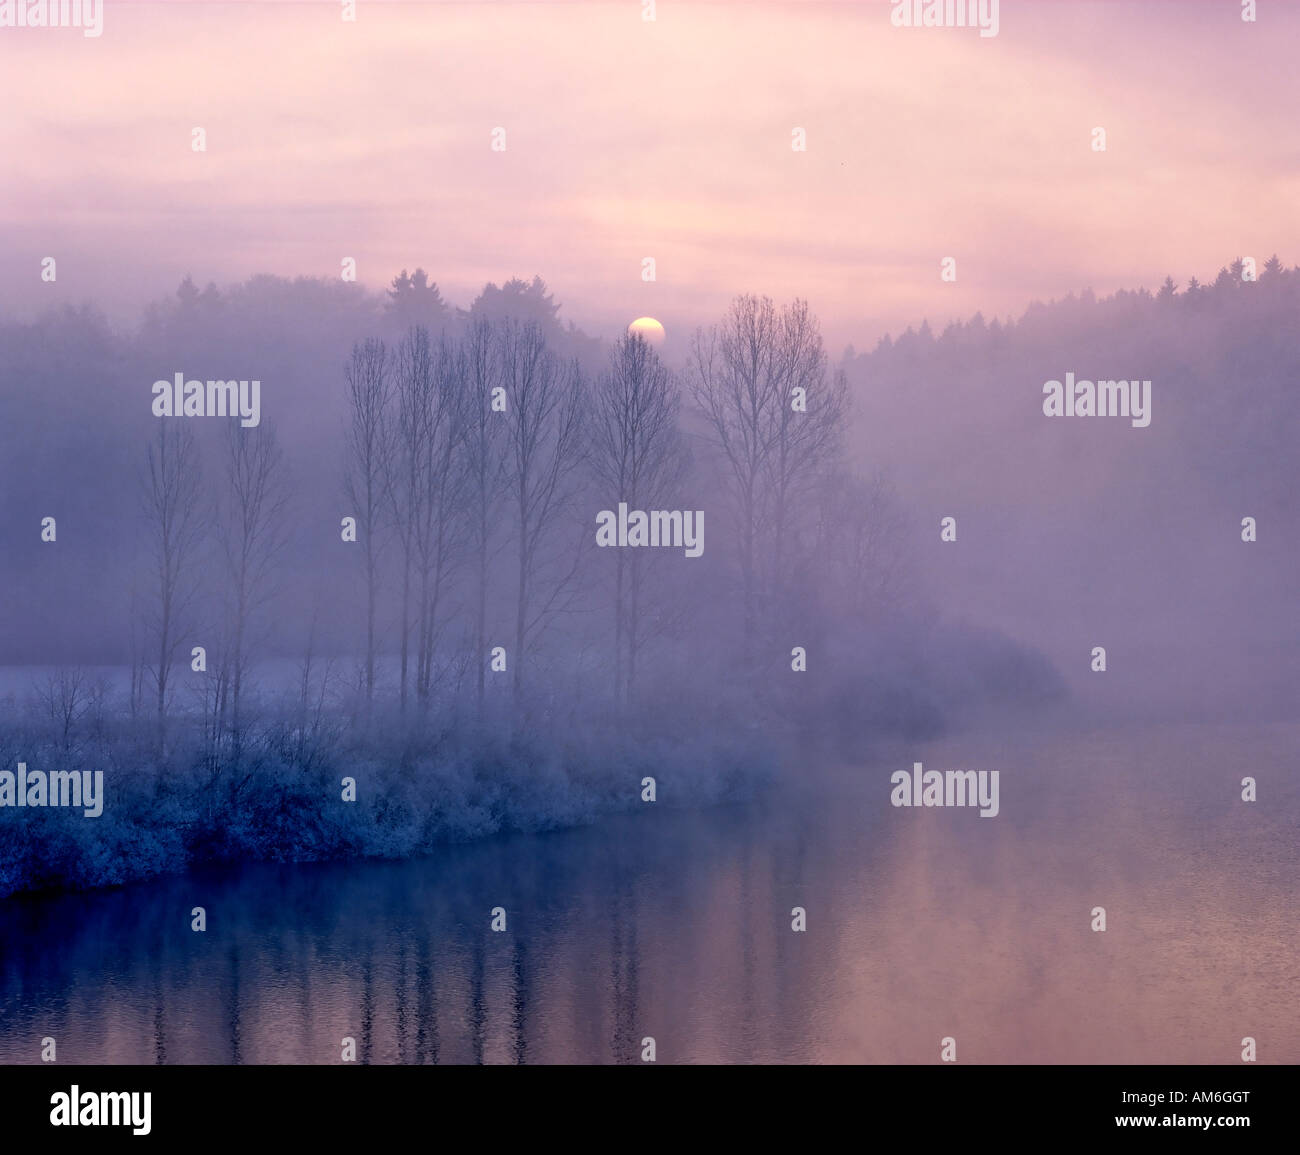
[[413, 791]]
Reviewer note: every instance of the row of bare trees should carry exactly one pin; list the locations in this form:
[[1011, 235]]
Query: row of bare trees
[[442, 431], [638, 453], [462, 447], [234, 538], [775, 418], [443, 435]]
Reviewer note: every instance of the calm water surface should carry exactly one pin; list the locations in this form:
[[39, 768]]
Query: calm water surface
[[921, 924]]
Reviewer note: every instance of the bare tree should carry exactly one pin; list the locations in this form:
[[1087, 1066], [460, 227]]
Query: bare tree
[[313, 730], [440, 530], [771, 440], [738, 383], [64, 697], [485, 471], [252, 532], [369, 393], [807, 429], [544, 399], [406, 463], [638, 456], [173, 508], [135, 651]]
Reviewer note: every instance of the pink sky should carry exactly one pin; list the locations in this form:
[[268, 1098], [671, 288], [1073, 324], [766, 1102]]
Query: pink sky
[[669, 139]]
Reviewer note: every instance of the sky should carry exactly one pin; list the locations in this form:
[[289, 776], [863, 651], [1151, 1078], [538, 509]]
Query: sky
[[627, 138]]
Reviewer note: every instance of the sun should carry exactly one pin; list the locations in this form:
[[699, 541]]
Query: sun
[[649, 328]]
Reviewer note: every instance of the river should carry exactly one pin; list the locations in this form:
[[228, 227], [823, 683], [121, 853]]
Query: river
[[677, 925]]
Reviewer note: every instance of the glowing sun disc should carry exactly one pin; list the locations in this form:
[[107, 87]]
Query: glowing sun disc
[[648, 328]]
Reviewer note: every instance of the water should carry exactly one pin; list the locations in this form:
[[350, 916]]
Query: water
[[921, 924]]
